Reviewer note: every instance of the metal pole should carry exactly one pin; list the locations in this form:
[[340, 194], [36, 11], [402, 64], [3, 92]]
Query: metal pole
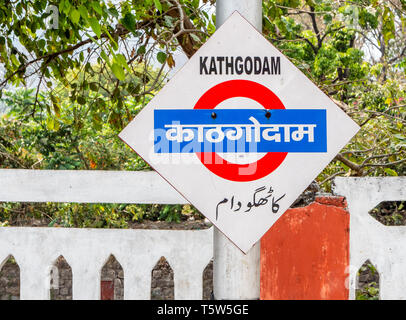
[[249, 9], [236, 275]]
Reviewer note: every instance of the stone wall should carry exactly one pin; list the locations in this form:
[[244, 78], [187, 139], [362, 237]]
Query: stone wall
[[61, 280], [113, 272], [10, 281]]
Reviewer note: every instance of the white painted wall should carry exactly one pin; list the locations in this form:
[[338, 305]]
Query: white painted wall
[[87, 250]]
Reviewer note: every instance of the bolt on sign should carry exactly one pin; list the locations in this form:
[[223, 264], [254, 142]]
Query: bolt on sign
[[240, 132]]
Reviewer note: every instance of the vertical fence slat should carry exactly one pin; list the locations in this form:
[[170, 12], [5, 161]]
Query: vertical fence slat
[[188, 282], [188, 273], [86, 282], [34, 281], [383, 245], [235, 275], [137, 269], [137, 284]]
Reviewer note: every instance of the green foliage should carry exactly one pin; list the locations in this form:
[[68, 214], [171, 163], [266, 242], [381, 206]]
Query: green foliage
[[74, 215], [369, 292], [355, 52], [390, 213], [121, 37]]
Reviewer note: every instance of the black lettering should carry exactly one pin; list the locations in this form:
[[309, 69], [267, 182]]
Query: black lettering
[[225, 200], [203, 65], [239, 66], [230, 65], [276, 65], [248, 66], [265, 67], [220, 61], [257, 65], [213, 66], [275, 205]]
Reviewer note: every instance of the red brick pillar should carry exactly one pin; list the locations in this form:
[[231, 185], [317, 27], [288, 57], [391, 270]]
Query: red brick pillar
[[305, 255]]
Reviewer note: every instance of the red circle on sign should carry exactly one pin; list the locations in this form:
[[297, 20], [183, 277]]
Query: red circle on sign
[[216, 164]]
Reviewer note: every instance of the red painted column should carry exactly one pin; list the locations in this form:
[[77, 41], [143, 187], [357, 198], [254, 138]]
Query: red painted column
[[305, 255]]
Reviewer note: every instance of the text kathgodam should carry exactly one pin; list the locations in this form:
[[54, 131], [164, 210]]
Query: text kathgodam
[[260, 197], [215, 133]]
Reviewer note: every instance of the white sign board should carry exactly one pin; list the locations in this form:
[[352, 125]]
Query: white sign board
[[240, 132]]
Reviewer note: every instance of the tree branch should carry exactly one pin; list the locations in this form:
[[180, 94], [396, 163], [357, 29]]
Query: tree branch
[[357, 168], [185, 40], [315, 27]]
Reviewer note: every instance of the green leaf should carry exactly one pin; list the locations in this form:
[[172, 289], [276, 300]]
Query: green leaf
[[112, 41], [51, 224], [66, 7], [129, 22], [75, 16], [373, 291], [93, 86], [104, 56], [96, 6], [14, 60], [118, 71], [161, 57], [57, 125], [83, 12], [390, 172], [195, 4], [168, 21], [113, 11], [158, 5], [81, 100], [94, 24], [141, 50], [61, 5], [195, 37], [50, 123], [121, 60], [57, 110]]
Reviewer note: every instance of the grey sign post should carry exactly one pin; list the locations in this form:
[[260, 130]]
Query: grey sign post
[[236, 275]]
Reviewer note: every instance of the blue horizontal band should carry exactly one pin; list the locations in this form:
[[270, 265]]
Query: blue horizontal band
[[239, 130]]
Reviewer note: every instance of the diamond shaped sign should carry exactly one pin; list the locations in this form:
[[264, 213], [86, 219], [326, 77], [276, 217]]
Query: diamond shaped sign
[[240, 132]]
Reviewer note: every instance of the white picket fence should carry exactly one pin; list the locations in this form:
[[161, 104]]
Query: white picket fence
[[188, 252]]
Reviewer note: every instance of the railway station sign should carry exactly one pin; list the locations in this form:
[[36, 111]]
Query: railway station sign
[[240, 132]]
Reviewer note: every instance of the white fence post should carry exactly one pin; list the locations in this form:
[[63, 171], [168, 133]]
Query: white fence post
[[383, 245], [235, 275]]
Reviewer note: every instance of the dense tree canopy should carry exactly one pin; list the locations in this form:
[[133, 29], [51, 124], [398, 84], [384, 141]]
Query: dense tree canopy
[[74, 73]]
